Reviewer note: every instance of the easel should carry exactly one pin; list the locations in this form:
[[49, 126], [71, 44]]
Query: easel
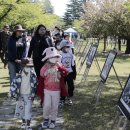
[[102, 82], [88, 66], [82, 54], [79, 47], [87, 70], [100, 87], [120, 119], [90, 41], [84, 58]]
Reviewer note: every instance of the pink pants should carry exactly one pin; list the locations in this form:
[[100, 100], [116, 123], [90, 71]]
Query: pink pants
[[51, 102]]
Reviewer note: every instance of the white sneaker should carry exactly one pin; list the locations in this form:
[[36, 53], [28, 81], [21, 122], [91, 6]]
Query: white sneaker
[[23, 126], [52, 125], [69, 102]]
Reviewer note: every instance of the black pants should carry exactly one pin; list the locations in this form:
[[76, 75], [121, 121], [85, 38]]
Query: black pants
[[37, 66], [3, 57], [70, 83]]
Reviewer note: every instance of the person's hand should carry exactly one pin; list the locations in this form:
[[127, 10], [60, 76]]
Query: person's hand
[[58, 64], [18, 61]]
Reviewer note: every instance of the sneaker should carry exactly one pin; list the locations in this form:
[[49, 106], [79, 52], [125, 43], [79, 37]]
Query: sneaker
[[23, 126], [52, 125], [45, 123], [61, 104], [69, 102], [28, 128]]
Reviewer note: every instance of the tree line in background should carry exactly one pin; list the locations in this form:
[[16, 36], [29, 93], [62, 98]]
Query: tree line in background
[[101, 19], [93, 18], [29, 13]]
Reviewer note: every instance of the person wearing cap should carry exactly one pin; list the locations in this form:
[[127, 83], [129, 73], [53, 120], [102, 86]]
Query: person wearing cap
[[4, 37], [23, 88], [16, 51], [40, 41], [51, 85], [67, 37], [68, 61]]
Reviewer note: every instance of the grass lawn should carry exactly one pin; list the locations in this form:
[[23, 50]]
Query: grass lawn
[[82, 115], [4, 83]]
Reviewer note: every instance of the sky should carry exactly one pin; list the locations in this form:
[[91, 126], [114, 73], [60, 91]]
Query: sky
[[59, 6]]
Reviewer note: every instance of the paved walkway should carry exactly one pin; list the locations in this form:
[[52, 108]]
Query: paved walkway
[[8, 122]]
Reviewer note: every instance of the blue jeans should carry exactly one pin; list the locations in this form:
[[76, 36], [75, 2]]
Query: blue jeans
[[13, 69]]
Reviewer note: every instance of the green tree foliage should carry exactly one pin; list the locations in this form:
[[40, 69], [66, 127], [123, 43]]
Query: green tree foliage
[[78, 25], [73, 12], [26, 12]]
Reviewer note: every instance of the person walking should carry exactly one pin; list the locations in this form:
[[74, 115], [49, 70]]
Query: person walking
[[23, 88], [40, 41], [51, 85], [4, 37], [68, 61], [16, 49]]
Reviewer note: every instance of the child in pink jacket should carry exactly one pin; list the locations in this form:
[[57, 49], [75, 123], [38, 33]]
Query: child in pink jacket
[[51, 84]]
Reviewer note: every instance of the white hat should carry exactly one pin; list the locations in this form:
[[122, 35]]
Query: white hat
[[50, 52], [64, 43]]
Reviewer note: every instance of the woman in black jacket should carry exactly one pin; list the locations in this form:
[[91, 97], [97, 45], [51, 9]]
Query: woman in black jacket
[[40, 41]]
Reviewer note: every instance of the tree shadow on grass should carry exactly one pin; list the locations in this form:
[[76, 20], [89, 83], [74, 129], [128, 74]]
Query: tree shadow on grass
[[4, 82], [3, 96], [7, 78], [84, 116], [6, 85]]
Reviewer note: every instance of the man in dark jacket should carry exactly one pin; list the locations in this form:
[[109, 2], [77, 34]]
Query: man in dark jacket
[[4, 37]]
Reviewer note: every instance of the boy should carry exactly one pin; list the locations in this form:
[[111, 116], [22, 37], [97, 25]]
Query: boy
[[68, 61]]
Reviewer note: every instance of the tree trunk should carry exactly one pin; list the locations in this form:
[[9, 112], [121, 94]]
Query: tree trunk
[[119, 44], [105, 44], [127, 51]]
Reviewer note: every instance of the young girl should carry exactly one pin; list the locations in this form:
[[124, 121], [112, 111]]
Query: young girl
[[68, 61], [23, 88], [51, 85]]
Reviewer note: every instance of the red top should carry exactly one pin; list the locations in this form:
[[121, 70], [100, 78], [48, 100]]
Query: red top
[[52, 78]]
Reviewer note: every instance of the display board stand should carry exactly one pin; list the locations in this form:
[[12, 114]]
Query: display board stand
[[79, 47], [100, 87], [104, 75], [121, 122], [82, 54], [84, 77], [98, 92], [97, 64], [90, 59], [117, 76], [84, 58]]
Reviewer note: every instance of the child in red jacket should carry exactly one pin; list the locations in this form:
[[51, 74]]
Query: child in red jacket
[[51, 85]]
